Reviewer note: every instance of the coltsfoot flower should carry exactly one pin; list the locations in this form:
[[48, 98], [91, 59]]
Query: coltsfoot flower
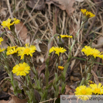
[[1, 39], [52, 50], [87, 13], [57, 50], [1, 50], [16, 21], [91, 51], [9, 22], [95, 52], [100, 56], [66, 36], [27, 50], [87, 50], [83, 92], [21, 69], [97, 88], [61, 67], [11, 50]]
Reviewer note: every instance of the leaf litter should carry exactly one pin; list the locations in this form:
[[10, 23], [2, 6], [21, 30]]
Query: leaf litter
[[47, 18]]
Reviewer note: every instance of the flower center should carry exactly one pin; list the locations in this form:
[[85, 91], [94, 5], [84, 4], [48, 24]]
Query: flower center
[[97, 90], [84, 92], [26, 50], [20, 68]]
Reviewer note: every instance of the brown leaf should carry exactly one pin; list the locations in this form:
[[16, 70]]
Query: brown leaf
[[22, 31], [64, 5], [68, 90], [38, 6], [3, 101], [99, 43], [17, 100], [79, 0], [3, 43], [40, 58], [36, 43]]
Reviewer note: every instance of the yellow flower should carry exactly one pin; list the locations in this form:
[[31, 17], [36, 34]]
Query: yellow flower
[[16, 21], [27, 50], [87, 13], [83, 92], [66, 36], [83, 11], [95, 52], [57, 50], [100, 56], [1, 39], [91, 82], [61, 67], [87, 50], [1, 50], [52, 49], [9, 22], [11, 50], [21, 69], [91, 51], [97, 89]]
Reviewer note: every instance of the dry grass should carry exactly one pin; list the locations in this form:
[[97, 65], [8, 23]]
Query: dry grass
[[44, 25]]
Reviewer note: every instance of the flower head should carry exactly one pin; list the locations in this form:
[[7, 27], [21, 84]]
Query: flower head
[[1, 39], [87, 50], [91, 51], [83, 11], [61, 67], [16, 21], [95, 52], [100, 56], [11, 50], [66, 36], [9, 22], [57, 50], [52, 50], [1, 50], [97, 89], [87, 13], [21, 69], [83, 92], [27, 50]]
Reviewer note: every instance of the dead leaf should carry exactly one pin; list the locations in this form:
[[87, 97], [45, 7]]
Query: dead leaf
[[38, 6], [79, 0], [15, 99], [40, 58], [63, 5], [3, 43], [36, 43], [99, 43], [3, 101], [68, 90], [27, 39], [21, 32], [3, 12]]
